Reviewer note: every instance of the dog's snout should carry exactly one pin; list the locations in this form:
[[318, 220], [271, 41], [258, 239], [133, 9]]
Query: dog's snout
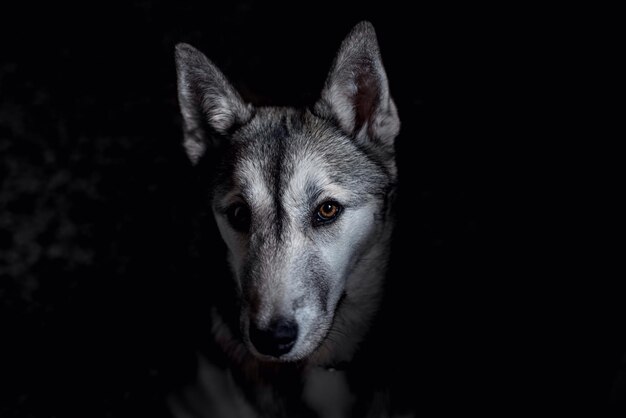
[[275, 340]]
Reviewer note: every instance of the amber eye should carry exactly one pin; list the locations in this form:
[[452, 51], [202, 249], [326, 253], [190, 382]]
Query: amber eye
[[239, 217], [327, 212]]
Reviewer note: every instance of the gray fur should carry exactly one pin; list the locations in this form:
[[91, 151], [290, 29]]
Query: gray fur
[[206, 99], [356, 92], [283, 163]]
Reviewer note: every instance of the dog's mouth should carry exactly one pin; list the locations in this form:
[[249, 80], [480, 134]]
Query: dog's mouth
[[339, 303]]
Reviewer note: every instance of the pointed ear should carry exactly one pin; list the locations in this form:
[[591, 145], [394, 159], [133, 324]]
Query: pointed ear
[[208, 102], [356, 93]]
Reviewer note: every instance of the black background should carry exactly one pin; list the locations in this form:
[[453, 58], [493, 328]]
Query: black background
[[505, 290]]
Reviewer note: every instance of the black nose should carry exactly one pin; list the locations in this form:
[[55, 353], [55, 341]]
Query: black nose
[[275, 340]]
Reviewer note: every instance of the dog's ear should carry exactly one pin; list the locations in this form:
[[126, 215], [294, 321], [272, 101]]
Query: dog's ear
[[208, 102], [356, 93]]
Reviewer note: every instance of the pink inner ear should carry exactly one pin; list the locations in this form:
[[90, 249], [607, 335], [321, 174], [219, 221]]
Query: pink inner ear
[[366, 97]]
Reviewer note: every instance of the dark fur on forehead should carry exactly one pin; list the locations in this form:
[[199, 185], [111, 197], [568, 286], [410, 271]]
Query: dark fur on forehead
[[276, 137]]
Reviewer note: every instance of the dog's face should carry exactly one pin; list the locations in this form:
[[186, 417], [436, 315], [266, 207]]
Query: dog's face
[[299, 196], [297, 203]]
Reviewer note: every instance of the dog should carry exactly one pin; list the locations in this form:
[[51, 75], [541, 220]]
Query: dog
[[303, 200]]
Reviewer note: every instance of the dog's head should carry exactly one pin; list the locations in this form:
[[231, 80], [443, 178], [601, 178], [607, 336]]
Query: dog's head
[[300, 196]]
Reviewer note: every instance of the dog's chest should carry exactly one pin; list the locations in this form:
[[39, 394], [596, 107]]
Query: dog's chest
[[324, 394], [327, 393]]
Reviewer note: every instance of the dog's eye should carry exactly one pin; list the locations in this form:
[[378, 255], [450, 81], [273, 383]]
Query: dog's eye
[[327, 212], [239, 217]]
